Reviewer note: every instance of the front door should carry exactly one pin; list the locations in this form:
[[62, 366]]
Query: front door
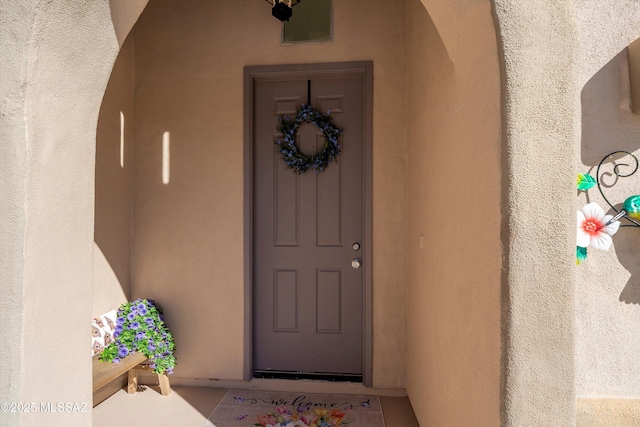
[[309, 232]]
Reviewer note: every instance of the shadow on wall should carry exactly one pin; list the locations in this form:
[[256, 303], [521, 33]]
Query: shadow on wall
[[609, 125], [113, 187], [627, 242]]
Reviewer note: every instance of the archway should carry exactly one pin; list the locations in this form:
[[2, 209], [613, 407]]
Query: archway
[[453, 320], [70, 52], [61, 55], [449, 85]]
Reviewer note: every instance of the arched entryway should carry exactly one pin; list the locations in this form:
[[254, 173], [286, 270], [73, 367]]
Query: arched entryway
[[58, 58], [64, 56], [185, 231]]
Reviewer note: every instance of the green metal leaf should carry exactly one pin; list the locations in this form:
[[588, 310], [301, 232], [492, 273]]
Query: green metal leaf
[[581, 254], [585, 181]]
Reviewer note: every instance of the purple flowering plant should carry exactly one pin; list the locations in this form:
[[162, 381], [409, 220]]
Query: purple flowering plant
[[140, 327]]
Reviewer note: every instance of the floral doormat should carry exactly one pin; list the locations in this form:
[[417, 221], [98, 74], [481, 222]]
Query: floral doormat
[[241, 408]]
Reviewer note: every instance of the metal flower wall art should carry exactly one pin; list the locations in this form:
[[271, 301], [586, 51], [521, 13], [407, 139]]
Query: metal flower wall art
[[595, 228]]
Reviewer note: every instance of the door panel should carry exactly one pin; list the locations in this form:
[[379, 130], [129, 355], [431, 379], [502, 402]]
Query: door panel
[[308, 299]]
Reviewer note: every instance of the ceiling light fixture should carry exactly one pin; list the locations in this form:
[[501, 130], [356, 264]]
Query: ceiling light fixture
[[282, 9]]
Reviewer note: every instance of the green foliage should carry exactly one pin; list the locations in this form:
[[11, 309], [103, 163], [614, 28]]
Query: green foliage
[[585, 181], [581, 255], [140, 327]]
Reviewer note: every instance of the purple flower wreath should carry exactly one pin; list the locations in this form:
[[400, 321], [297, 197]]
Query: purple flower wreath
[[291, 154]]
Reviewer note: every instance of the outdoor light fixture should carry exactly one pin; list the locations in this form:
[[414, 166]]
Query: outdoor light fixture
[[282, 9]]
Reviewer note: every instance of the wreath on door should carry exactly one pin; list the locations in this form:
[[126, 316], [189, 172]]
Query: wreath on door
[[291, 154]]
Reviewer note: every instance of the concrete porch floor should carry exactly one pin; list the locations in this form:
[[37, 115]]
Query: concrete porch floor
[[189, 406]]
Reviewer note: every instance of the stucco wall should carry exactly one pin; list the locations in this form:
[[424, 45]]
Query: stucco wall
[[188, 234], [58, 56], [59, 201], [608, 296], [114, 188], [14, 42], [453, 321], [551, 49], [541, 122]]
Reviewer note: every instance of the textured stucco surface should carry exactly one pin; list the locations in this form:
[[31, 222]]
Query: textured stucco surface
[[541, 127], [114, 188], [59, 202], [607, 412], [188, 234], [550, 51], [607, 303], [124, 14], [60, 58], [608, 286], [604, 29], [453, 320], [61, 54], [15, 22]]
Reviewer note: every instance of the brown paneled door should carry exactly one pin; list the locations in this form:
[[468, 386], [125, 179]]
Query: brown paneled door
[[309, 233]]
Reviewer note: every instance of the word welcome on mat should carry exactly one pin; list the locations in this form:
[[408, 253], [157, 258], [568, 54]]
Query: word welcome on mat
[[248, 408]]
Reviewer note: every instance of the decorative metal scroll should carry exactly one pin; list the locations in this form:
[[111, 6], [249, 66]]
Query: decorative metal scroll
[[631, 206]]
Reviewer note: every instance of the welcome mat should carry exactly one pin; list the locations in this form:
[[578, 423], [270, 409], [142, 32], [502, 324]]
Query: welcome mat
[[242, 408]]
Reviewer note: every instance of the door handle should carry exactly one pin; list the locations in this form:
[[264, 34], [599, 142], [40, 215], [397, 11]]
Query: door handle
[[355, 263]]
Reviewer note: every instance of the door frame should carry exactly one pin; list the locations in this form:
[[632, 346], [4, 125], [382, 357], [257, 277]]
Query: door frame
[[307, 71]]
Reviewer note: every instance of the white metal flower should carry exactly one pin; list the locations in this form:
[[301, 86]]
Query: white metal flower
[[593, 227]]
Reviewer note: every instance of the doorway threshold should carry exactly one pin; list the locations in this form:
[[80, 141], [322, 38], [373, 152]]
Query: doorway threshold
[[297, 386], [319, 376]]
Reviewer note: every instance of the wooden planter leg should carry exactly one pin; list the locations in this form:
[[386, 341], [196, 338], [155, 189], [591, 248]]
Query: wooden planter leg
[[132, 385], [165, 387]]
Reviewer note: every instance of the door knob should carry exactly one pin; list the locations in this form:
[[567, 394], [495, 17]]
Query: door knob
[[355, 263]]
